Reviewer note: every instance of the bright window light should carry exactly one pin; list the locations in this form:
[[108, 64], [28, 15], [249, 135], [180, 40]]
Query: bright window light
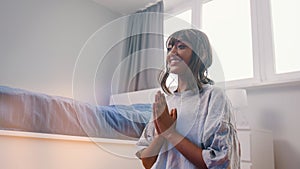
[[228, 26], [177, 22], [286, 26]]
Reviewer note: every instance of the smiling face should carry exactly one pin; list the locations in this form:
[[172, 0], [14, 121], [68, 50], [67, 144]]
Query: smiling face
[[179, 56], [189, 56]]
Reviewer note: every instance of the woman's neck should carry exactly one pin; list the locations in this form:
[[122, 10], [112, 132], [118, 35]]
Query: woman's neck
[[184, 84]]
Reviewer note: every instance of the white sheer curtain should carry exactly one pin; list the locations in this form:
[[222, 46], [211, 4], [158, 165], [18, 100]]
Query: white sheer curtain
[[143, 55]]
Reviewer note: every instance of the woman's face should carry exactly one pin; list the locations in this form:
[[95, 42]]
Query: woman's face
[[179, 56]]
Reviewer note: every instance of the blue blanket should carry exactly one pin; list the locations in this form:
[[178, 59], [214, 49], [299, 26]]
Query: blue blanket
[[24, 110]]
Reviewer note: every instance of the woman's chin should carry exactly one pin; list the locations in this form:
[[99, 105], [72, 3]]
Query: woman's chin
[[176, 70]]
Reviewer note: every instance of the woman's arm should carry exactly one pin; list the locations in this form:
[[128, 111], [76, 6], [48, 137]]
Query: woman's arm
[[165, 125], [188, 149], [149, 155]]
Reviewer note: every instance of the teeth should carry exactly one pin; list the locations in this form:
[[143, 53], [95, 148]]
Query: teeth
[[175, 61], [175, 58]]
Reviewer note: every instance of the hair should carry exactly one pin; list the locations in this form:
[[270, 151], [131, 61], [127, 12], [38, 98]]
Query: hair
[[201, 57]]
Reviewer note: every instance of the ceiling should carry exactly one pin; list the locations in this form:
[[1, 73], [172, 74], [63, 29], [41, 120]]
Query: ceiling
[[125, 6]]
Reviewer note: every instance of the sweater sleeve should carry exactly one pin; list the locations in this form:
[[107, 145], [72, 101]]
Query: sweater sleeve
[[220, 143]]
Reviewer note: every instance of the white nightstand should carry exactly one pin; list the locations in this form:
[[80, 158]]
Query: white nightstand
[[256, 149]]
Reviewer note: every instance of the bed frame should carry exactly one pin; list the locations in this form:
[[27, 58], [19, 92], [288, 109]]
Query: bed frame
[[29, 150]]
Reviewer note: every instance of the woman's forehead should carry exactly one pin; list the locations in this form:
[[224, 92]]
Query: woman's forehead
[[172, 41]]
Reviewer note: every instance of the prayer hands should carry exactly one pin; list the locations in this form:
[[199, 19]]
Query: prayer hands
[[164, 122]]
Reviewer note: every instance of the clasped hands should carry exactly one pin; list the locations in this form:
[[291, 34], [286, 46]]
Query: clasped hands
[[164, 121]]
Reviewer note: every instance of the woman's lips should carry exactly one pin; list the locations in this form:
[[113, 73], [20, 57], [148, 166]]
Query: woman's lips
[[174, 59]]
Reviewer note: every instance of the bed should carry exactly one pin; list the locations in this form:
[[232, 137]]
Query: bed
[[50, 132], [44, 131]]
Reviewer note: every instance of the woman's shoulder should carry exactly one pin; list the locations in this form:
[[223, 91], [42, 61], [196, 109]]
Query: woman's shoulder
[[213, 90], [218, 102]]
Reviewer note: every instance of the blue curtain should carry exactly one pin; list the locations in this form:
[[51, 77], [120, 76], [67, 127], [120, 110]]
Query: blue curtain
[[142, 56]]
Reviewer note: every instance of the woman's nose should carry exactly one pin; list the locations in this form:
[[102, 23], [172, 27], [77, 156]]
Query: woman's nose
[[173, 50]]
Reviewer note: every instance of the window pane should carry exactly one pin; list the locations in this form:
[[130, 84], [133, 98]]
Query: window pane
[[186, 16], [177, 22], [286, 26], [228, 26]]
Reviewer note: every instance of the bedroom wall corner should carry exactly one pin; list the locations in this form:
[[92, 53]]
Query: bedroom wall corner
[[40, 41]]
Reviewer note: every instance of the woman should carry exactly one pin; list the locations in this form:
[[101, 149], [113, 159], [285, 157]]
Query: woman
[[199, 130]]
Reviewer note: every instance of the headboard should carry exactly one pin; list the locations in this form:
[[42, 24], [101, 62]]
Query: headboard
[[238, 97], [142, 96]]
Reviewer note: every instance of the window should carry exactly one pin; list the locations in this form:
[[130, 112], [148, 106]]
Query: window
[[286, 35], [228, 26], [176, 22], [255, 41]]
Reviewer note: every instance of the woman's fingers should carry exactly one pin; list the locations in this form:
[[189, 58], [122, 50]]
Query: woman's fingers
[[163, 119], [156, 97], [155, 107], [155, 116], [173, 114]]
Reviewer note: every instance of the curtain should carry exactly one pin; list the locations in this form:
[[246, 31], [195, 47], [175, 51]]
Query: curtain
[[142, 54]]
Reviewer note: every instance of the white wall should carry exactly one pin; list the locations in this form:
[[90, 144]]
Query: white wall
[[277, 109], [41, 39], [43, 151]]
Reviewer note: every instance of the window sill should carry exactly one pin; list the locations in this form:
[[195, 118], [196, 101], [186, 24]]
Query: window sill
[[259, 84]]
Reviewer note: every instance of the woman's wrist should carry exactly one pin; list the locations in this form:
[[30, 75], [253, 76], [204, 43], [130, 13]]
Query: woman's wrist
[[174, 138], [159, 139]]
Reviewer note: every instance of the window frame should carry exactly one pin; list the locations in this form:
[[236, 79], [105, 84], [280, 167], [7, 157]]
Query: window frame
[[264, 73]]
